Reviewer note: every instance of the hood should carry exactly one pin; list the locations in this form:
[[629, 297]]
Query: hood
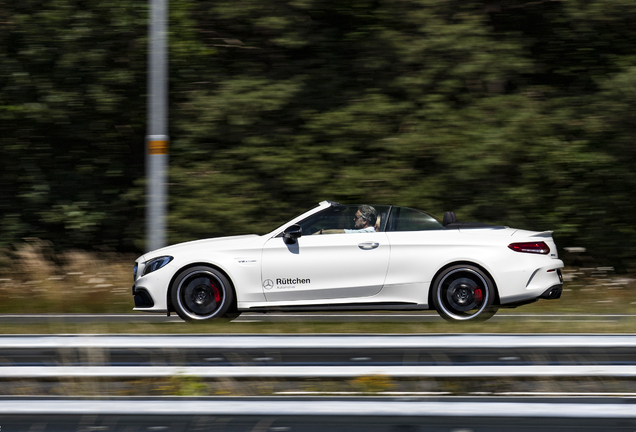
[[216, 243]]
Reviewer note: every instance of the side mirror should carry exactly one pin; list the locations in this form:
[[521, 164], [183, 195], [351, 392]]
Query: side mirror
[[291, 233]]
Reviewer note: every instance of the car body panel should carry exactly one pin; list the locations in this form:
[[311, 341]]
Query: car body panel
[[387, 267], [416, 259], [238, 257], [350, 266]]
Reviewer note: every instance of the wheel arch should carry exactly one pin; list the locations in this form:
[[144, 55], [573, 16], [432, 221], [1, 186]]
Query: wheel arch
[[496, 301], [171, 308]]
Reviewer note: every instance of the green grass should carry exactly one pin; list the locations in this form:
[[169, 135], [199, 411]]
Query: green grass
[[590, 325]]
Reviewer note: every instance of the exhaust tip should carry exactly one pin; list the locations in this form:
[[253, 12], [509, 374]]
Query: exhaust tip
[[552, 293]]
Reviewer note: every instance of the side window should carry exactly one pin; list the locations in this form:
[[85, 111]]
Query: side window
[[407, 219], [340, 217], [332, 217]]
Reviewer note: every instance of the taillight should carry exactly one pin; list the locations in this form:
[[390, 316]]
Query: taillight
[[530, 247]]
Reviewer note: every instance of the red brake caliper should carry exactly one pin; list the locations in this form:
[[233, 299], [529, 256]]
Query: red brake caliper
[[478, 295], [217, 294]]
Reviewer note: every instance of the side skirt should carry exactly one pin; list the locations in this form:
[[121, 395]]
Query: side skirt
[[340, 307]]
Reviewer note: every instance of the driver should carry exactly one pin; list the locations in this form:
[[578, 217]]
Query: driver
[[363, 221]]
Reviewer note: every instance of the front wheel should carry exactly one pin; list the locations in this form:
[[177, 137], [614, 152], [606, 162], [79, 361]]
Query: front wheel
[[201, 293], [464, 293]]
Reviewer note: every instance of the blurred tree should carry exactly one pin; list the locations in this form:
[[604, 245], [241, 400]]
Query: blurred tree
[[584, 54], [71, 119], [505, 111], [349, 100], [481, 107]]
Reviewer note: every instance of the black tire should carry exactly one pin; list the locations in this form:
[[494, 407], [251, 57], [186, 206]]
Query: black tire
[[232, 315], [201, 293], [464, 293]]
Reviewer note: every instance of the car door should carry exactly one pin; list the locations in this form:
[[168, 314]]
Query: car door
[[324, 267], [418, 244]]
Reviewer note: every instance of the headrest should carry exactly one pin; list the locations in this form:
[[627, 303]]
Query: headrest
[[449, 217]]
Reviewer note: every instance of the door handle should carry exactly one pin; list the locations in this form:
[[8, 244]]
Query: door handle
[[368, 245]]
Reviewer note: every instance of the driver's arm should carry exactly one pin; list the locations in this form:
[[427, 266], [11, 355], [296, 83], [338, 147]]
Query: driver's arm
[[329, 231]]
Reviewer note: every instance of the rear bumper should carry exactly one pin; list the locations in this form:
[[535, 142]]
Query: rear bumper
[[552, 293], [546, 282]]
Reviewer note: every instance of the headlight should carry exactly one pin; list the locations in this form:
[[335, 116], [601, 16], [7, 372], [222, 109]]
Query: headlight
[[135, 271], [156, 264]]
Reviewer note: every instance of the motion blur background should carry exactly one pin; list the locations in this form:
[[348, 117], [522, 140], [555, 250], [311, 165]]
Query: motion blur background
[[512, 112]]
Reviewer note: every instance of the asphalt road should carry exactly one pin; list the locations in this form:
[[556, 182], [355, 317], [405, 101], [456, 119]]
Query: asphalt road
[[425, 317]]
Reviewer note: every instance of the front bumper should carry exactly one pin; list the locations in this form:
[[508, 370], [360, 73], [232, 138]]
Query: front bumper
[[143, 299]]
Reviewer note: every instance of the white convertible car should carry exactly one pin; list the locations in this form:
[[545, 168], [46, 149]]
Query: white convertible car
[[350, 257]]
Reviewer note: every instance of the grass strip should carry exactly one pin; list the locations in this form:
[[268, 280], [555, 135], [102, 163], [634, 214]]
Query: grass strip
[[583, 326]]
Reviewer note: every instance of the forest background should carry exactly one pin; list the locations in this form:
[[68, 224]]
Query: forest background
[[506, 111]]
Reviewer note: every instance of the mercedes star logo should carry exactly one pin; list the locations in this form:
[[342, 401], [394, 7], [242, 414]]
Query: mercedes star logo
[[268, 284]]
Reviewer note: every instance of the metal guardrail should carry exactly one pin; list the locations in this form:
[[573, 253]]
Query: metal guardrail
[[299, 372], [609, 356], [320, 356], [350, 341], [316, 415], [317, 407]]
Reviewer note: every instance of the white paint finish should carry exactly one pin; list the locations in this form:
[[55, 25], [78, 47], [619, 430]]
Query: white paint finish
[[333, 266]]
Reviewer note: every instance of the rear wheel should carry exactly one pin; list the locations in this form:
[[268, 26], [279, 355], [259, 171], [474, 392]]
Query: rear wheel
[[201, 293], [464, 293]]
